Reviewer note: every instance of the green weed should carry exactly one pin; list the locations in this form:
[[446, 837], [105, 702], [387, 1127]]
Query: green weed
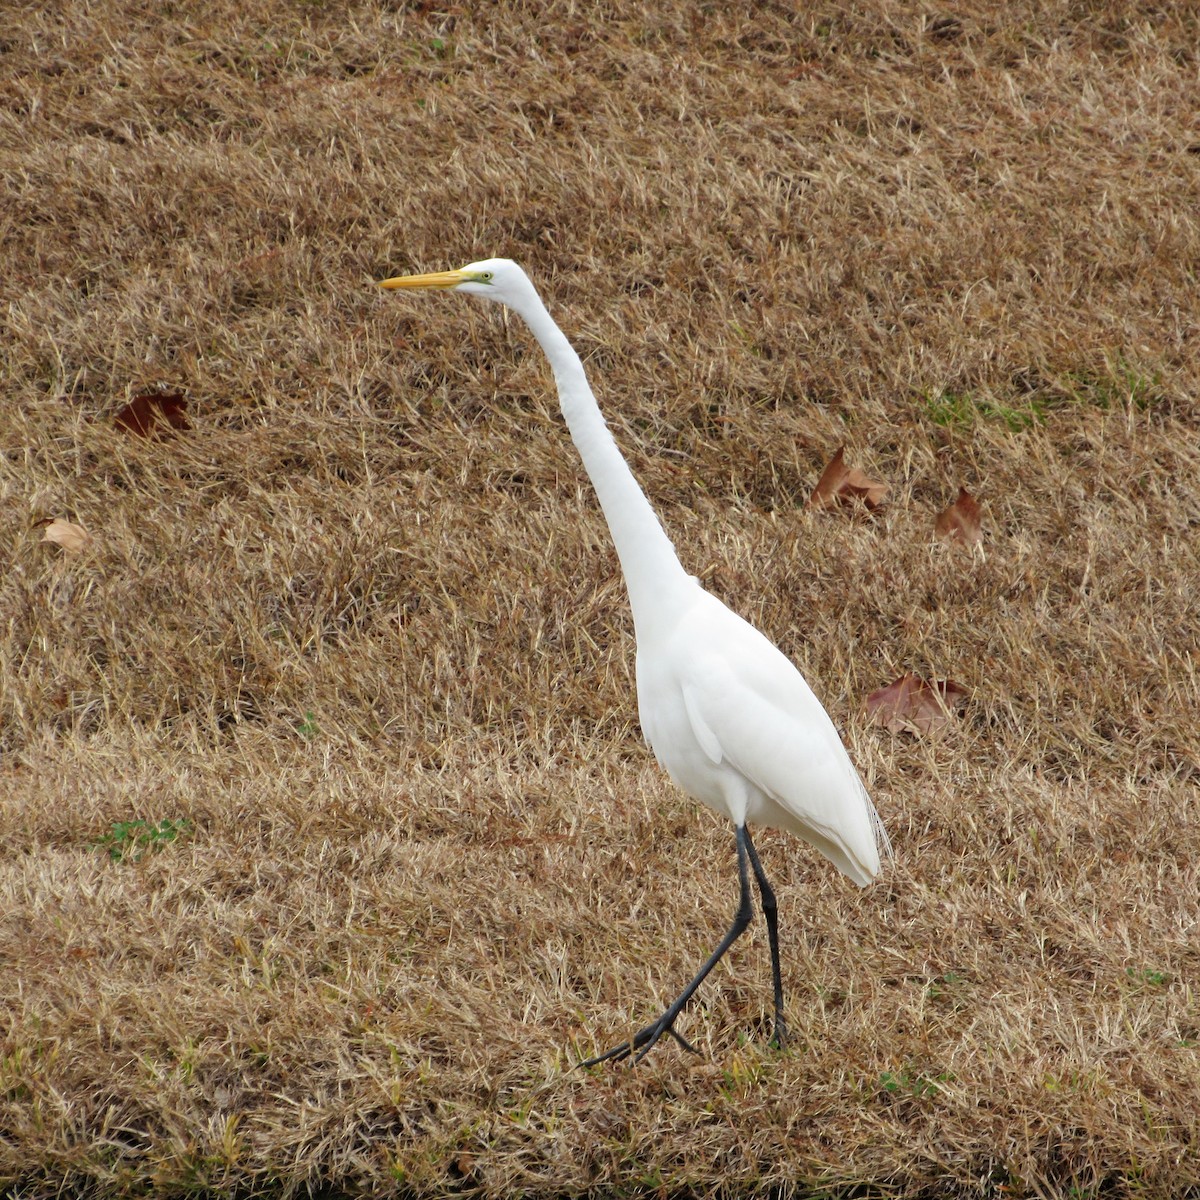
[[944, 986], [1148, 976], [129, 840], [914, 1084]]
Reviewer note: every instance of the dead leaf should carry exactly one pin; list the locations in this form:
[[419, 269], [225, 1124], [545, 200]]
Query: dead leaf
[[961, 521], [840, 484], [70, 537], [912, 705], [145, 415]]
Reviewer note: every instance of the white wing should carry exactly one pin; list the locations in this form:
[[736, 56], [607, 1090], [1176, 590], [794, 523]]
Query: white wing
[[748, 710]]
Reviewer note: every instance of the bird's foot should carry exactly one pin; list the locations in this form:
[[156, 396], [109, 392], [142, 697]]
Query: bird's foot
[[779, 1039], [642, 1043]]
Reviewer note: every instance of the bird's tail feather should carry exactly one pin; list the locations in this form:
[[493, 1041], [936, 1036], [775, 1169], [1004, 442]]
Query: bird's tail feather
[[882, 842]]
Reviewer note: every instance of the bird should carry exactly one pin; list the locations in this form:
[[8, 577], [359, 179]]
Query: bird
[[727, 715]]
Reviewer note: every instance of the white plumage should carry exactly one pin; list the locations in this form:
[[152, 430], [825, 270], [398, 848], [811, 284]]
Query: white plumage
[[729, 717]]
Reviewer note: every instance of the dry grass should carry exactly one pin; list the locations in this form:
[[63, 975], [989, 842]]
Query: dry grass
[[363, 629]]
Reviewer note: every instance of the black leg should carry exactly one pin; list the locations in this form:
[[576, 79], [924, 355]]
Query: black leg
[[644, 1040], [771, 912]]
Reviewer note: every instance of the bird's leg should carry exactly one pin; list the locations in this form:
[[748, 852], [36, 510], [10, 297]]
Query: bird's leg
[[771, 912], [644, 1040]]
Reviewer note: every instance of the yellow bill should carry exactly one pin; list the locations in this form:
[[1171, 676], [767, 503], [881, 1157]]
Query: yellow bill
[[438, 279]]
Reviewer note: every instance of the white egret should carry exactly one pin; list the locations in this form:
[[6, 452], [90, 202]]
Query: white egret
[[728, 716]]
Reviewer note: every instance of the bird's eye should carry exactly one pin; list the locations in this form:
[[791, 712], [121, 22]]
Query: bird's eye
[[486, 276]]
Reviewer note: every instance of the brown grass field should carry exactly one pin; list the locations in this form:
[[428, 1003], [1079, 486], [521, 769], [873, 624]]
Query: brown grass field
[[356, 648]]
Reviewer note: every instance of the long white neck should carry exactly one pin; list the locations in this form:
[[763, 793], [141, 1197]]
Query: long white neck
[[653, 573]]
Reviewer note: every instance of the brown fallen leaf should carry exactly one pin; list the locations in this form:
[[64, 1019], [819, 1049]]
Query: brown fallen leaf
[[840, 484], [912, 705], [146, 414], [70, 537], [961, 521]]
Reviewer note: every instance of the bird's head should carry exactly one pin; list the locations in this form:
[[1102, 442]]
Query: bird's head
[[498, 279]]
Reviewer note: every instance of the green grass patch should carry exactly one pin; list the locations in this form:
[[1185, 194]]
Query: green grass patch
[[1120, 384], [962, 410]]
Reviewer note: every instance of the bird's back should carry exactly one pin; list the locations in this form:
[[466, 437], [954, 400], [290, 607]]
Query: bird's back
[[737, 727]]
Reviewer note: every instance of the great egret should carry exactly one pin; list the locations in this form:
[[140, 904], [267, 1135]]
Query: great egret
[[728, 716]]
